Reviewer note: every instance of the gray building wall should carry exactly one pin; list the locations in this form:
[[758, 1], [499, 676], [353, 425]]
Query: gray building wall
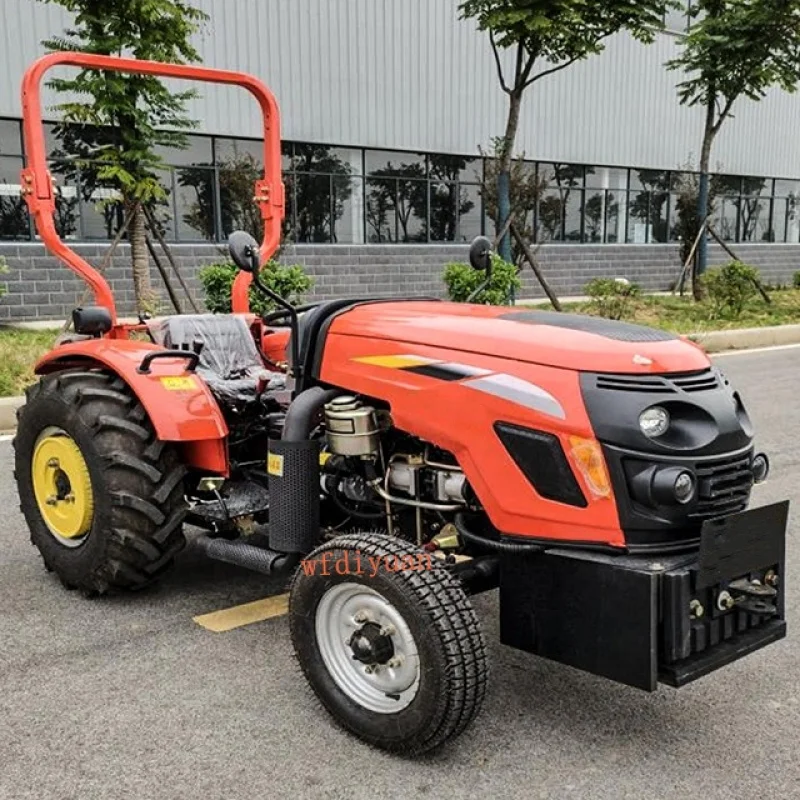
[[409, 75], [41, 289]]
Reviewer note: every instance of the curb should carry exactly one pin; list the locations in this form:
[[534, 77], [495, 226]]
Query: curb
[[8, 412], [711, 342], [747, 338]]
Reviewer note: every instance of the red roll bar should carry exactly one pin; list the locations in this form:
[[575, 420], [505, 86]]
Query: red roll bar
[[37, 183]]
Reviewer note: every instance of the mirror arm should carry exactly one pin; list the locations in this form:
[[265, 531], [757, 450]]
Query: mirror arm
[[297, 368]]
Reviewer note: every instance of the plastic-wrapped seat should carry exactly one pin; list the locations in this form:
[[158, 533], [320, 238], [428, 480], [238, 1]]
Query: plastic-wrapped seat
[[229, 362]]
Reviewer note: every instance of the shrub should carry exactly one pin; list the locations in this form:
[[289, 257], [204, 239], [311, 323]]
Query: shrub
[[796, 280], [462, 280], [612, 297], [730, 287], [290, 283]]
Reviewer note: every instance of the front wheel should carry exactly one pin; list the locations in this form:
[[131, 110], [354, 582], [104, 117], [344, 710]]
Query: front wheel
[[388, 641]]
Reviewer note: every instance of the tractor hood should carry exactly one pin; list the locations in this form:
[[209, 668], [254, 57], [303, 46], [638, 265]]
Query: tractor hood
[[569, 341]]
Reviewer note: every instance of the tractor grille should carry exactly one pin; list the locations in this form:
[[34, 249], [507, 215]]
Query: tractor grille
[[702, 381], [723, 487]]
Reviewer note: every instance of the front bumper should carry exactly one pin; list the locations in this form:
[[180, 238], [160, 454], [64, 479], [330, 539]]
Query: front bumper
[[640, 620]]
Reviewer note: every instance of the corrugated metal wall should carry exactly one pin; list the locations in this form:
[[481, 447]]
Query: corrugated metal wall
[[407, 74]]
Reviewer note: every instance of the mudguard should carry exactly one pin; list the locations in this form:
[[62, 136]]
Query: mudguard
[[178, 402]]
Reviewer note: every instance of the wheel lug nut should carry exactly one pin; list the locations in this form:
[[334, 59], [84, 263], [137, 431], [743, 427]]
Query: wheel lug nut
[[52, 500], [388, 630], [360, 617], [369, 669], [53, 463], [395, 662]]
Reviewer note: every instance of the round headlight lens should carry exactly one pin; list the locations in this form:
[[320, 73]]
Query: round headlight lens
[[684, 487], [654, 421]]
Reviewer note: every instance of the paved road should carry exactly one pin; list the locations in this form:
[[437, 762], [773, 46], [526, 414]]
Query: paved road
[[126, 697]]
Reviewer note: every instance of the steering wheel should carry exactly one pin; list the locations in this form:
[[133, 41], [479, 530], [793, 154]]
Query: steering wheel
[[282, 313]]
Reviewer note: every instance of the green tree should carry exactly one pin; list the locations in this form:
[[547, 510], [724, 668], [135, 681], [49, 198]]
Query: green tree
[[553, 34], [733, 49], [116, 129]]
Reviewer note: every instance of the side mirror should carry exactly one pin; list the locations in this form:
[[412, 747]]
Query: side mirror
[[244, 251], [480, 254]]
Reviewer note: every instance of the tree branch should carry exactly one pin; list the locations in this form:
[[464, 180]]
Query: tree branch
[[550, 71], [723, 115], [499, 65]]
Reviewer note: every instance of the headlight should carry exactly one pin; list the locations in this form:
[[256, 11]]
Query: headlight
[[760, 468], [654, 421]]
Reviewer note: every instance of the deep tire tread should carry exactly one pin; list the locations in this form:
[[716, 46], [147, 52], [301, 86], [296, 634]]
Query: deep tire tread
[[144, 501], [442, 600]]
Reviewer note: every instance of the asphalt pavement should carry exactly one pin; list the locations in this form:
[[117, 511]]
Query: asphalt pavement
[[127, 697]]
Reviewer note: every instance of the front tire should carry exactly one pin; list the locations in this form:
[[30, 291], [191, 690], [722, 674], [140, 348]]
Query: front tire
[[102, 496], [396, 655]]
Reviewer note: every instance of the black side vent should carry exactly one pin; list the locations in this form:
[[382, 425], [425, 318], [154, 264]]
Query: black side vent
[[657, 384], [541, 458], [634, 383], [696, 381]]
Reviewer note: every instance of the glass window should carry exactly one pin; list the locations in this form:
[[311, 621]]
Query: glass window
[[606, 178], [754, 219], [314, 200], [10, 138], [227, 150], [469, 216], [348, 221], [380, 210], [728, 184], [452, 168], [550, 216], [725, 217], [444, 205], [647, 216], [14, 220], [196, 153], [384, 163], [780, 221], [195, 205], [67, 216], [326, 160], [615, 205]]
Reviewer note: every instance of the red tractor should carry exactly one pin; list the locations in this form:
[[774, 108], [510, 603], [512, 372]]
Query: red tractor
[[394, 457]]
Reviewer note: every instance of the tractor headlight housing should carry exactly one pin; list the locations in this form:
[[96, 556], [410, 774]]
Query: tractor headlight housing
[[654, 422]]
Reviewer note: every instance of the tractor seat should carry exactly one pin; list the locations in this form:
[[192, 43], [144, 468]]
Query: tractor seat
[[229, 362]]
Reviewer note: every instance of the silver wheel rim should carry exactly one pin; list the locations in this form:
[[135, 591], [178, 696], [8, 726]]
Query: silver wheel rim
[[384, 689]]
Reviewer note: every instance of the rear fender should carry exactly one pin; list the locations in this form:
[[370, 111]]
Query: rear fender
[[178, 402]]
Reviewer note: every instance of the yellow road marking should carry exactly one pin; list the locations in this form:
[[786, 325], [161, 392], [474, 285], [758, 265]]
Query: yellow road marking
[[246, 614]]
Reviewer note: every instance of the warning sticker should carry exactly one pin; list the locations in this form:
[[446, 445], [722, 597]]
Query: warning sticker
[[275, 465], [179, 384]]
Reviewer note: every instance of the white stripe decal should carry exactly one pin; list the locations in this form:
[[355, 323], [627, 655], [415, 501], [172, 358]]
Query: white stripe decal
[[519, 391]]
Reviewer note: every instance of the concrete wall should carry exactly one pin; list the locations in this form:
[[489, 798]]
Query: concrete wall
[[39, 288]]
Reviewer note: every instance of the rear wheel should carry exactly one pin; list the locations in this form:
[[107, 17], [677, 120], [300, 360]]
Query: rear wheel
[[388, 641], [102, 496]]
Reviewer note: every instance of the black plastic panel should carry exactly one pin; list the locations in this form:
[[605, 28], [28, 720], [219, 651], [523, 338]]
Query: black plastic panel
[[541, 458], [611, 329]]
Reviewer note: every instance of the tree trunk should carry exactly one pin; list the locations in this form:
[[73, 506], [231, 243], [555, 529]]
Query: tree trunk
[[140, 262], [504, 173], [702, 200]]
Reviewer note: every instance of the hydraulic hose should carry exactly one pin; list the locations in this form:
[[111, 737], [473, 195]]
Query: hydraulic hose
[[492, 544]]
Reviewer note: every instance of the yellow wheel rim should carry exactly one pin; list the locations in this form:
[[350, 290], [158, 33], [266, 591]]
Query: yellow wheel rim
[[62, 486]]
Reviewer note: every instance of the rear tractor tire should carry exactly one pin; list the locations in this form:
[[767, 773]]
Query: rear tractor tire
[[102, 495], [388, 641]]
